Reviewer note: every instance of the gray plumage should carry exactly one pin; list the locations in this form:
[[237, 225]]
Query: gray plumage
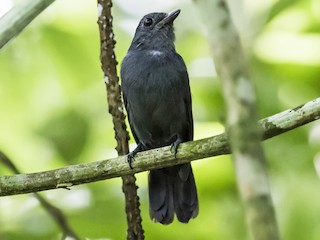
[[156, 92]]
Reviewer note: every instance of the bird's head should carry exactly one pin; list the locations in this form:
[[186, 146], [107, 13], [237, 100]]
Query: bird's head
[[155, 31]]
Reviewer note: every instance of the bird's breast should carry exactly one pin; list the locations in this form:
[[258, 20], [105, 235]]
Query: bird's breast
[[153, 84]]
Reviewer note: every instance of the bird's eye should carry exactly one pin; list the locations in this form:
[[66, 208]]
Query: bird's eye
[[147, 22]]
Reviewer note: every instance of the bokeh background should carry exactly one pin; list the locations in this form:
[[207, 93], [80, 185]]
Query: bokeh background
[[53, 113]]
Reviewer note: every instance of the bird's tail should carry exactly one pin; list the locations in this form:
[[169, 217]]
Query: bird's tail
[[173, 190]]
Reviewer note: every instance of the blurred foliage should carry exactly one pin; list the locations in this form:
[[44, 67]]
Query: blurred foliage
[[67, 133], [54, 113]]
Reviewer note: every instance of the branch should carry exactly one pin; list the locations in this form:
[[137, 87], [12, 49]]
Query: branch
[[108, 65], [244, 133], [14, 21], [153, 159], [53, 211]]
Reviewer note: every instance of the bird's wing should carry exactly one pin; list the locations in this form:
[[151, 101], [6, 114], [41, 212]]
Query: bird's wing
[[129, 118], [187, 98]]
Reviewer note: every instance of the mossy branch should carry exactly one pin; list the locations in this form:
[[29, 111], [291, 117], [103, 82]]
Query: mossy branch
[[69, 176], [56, 213]]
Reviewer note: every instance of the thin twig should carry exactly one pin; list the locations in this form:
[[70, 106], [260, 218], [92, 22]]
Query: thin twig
[[53, 211], [108, 65], [152, 159]]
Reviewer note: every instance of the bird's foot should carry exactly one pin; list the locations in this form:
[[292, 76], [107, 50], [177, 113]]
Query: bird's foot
[[130, 156], [130, 159], [175, 146]]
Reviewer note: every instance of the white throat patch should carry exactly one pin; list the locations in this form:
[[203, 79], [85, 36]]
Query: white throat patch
[[155, 52]]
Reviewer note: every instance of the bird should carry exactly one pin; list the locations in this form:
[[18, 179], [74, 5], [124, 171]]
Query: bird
[[157, 98]]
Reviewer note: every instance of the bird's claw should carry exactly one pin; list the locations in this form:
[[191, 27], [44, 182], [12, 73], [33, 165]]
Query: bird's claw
[[130, 156], [175, 146], [130, 159]]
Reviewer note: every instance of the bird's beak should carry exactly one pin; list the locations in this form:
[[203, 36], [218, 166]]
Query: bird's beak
[[169, 18]]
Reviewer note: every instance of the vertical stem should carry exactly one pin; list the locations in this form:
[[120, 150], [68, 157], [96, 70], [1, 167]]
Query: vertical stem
[[108, 65], [244, 134]]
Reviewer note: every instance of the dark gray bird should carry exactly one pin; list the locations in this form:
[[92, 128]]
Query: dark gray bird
[[157, 98]]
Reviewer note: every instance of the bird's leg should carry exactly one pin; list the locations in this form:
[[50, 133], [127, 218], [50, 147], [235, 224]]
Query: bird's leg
[[140, 147], [175, 146]]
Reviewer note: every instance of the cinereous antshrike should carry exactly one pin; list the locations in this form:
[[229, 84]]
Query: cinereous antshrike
[[157, 98]]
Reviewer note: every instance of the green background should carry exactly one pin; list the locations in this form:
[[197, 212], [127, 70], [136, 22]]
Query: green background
[[54, 113]]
